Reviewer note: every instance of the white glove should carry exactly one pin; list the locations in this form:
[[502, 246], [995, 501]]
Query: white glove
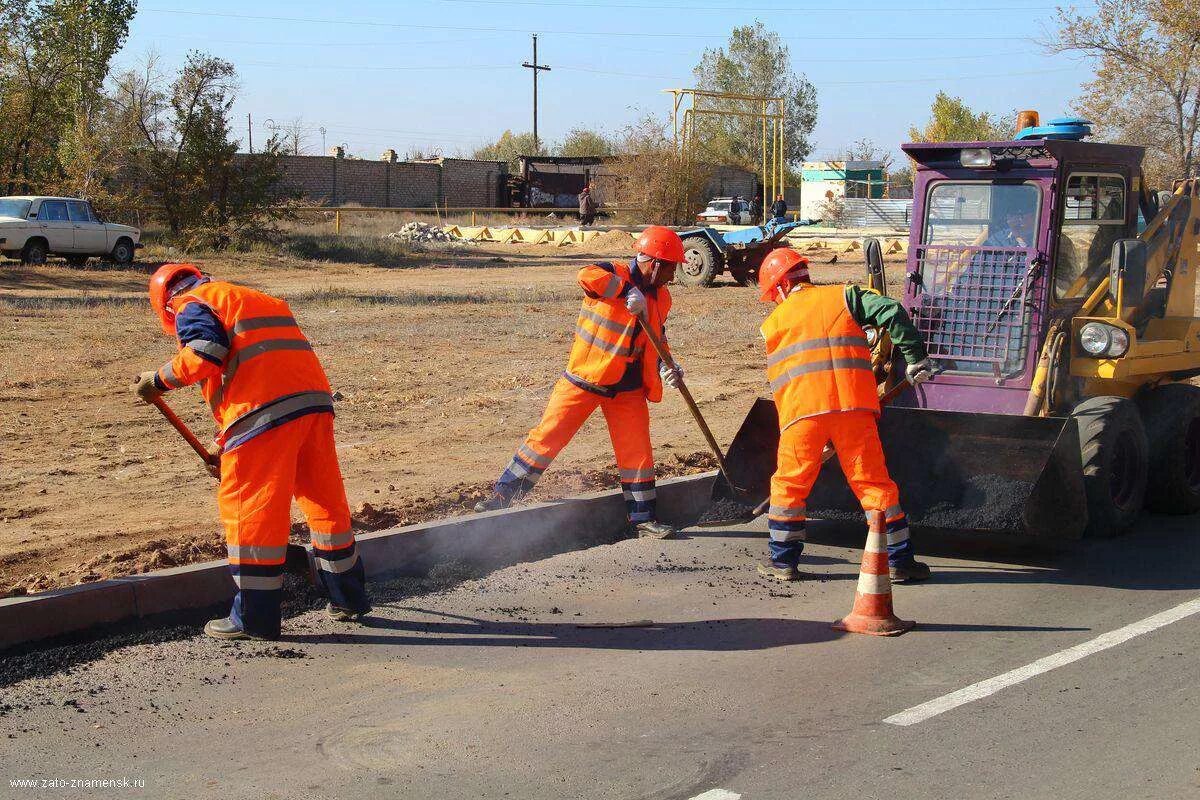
[[635, 301], [670, 377], [919, 372]]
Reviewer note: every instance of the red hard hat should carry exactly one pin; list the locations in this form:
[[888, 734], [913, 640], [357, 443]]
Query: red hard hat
[[661, 243], [160, 296], [775, 268]]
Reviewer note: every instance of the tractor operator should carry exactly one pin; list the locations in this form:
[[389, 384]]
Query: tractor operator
[[609, 367], [819, 367], [273, 404]]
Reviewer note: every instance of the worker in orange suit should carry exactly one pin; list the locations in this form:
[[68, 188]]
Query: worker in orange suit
[[272, 403], [613, 368], [819, 367]]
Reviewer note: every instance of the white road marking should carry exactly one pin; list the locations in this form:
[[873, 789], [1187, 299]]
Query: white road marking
[[717, 794], [978, 691]]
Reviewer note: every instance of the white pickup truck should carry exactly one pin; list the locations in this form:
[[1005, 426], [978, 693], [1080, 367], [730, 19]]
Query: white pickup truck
[[32, 228]]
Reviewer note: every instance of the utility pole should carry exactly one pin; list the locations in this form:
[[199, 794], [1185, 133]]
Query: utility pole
[[536, 67], [250, 133]]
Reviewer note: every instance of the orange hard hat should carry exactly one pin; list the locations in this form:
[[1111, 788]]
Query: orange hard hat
[[160, 291], [776, 267], [661, 243]]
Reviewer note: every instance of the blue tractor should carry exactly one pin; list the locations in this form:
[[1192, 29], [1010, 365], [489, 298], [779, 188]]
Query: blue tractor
[[709, 252]]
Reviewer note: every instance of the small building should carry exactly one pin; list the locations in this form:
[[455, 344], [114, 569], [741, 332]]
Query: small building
[[823, 181]]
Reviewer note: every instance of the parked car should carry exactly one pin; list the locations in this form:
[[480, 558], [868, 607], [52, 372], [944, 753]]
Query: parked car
[[717, 213], [32, 228]]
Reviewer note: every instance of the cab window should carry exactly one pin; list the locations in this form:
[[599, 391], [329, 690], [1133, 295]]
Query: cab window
[[53, 211], [1093, 219], [982, 214]]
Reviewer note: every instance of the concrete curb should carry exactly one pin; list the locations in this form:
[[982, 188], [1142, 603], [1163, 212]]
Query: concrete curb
[[493, 540]]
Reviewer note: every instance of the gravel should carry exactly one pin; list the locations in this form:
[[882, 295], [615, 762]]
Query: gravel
[[420, 233]]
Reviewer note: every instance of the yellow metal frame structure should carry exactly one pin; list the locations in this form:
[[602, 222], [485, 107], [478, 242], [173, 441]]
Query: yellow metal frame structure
[[770, 111]]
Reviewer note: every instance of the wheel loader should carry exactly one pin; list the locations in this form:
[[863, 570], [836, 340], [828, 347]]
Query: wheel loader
[[1057, 296]]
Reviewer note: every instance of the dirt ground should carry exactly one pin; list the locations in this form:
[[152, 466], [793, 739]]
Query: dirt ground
[[440, 370]]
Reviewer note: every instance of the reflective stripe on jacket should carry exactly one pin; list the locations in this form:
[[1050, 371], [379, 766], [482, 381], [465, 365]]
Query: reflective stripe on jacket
[[267, 375], [607, 336], [818, 359]]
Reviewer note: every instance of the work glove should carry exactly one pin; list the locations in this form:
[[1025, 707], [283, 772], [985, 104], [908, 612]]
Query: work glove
[[635, 301], [145, 387], [671, 376], [919, 372]]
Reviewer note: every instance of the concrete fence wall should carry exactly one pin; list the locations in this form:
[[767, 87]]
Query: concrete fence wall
[[335, 180]]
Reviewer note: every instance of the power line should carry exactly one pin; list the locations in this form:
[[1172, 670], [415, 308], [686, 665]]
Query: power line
[[857, 37], [948, 78], [769, 9]]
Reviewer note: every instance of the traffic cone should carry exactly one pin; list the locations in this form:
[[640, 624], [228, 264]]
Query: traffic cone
[[872, 612]]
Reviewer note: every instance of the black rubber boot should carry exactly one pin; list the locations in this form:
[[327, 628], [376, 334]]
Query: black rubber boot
[[911, 571], [339, 614], [778, 572], [228, 630], [493, 502], [653, 529]]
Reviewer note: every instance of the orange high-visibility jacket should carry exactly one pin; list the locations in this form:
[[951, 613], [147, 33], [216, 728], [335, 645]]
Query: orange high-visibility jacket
[[818, 359], [607, 336], [269, 373]]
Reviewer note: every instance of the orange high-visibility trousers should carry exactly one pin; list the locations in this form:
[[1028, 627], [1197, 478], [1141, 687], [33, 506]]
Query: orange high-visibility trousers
[[258, 481], [855, 438], [628, 418]]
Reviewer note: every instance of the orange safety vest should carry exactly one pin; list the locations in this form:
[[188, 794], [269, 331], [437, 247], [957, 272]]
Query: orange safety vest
[[818, 359], [270, 373], [608, 337]]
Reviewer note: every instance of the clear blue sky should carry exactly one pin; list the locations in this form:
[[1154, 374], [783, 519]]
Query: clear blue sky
[[446, 73]]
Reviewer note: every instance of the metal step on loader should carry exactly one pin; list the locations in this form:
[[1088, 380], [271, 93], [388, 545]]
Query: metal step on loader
[[1057, 296]]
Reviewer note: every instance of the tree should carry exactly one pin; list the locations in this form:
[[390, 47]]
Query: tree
[[584, 142], [1147, 86], [651, 174], [54, 59], [951, 120], [509, 146], [754, 62], [187, 158]]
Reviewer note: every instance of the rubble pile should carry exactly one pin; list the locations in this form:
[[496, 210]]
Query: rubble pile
[[420, 233]]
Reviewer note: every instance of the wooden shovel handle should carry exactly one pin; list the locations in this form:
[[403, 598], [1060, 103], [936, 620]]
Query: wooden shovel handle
[[184, 431]]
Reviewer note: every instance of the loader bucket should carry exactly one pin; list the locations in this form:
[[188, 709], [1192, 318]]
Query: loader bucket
[[964, 471]]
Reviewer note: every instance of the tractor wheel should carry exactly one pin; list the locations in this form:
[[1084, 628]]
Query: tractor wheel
[[1115, 456], [1172, 417], [701, 262]]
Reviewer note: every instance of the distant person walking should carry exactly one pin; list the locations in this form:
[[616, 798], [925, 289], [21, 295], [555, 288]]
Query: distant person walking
[[779, 209], [756, 209], [587, 207], [735, 210]]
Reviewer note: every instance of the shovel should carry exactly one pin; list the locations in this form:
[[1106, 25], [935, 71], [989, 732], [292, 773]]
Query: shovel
[[736, 492], [296, 559]]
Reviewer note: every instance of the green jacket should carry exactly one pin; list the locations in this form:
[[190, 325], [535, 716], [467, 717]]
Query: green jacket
[[884, 313]]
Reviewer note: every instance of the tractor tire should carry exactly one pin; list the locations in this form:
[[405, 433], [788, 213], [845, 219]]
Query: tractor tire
[[1171, 414], [122, 252], [35, 252], [701, 262], [77, 261], [1115, 456]]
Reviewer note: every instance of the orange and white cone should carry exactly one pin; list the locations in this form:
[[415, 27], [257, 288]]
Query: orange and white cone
[[872, 612]]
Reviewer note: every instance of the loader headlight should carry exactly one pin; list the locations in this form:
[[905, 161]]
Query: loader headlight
[[872, 336], [1103, 341], [977, 157]]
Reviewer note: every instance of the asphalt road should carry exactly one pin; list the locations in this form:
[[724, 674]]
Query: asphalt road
[[497, 687]]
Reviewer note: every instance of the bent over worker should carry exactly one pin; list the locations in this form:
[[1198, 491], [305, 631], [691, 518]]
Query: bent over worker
[[609, 368], [819, 366], [272, 403]]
